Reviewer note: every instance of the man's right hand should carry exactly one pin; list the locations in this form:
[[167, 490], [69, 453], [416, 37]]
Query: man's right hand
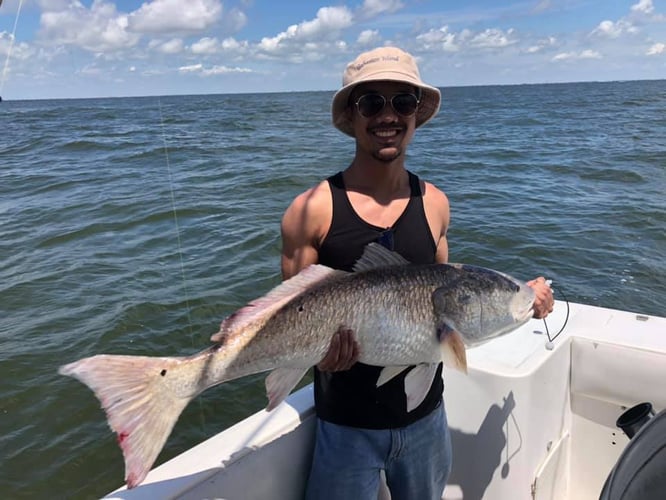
[[342, 353]]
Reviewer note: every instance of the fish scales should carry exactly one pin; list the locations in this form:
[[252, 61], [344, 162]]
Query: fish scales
[[389, 310]]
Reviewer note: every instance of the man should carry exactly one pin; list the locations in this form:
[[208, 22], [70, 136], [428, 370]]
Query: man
[[362, 429]]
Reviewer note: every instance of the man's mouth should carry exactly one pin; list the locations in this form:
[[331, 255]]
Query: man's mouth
[[386, 133]]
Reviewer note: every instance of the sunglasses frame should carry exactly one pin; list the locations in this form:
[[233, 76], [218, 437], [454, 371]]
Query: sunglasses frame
[[387, 101]]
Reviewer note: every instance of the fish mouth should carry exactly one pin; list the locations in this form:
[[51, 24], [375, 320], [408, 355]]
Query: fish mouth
[[526, 315], [523, 306]]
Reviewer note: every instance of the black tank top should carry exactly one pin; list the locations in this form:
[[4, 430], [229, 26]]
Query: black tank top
[[351, 397]]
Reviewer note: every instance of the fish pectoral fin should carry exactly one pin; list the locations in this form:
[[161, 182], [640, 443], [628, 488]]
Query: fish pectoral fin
[[453, 350], [418, 383], [280, 382], [389, 372]]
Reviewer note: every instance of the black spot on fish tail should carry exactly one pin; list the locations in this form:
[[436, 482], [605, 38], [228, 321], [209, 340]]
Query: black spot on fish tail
[[163, 373]]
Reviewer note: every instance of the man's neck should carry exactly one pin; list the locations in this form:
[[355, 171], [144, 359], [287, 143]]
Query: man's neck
[[377, 179]]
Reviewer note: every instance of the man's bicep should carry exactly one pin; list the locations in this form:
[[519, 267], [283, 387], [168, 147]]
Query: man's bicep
[[297, 260], [442, 253], [298, 250]]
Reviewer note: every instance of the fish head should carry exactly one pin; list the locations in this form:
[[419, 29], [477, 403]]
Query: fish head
[[481, 304]]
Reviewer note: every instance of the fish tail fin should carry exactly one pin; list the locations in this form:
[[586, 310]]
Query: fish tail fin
[[453, 350], [140, 407]]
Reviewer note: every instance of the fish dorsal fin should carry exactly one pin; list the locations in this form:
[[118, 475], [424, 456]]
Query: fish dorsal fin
[[376, 255], [263, 307]]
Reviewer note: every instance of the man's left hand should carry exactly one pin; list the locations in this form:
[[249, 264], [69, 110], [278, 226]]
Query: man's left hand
[[544, 301]]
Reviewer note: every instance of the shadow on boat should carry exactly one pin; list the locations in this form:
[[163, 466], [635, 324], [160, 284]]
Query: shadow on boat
[[481, 452]]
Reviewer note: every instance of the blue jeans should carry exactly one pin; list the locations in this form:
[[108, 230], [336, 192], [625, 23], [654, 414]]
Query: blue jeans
[[347, 461]]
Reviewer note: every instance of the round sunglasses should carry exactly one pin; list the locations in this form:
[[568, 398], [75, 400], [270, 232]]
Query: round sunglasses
[[404, 104]]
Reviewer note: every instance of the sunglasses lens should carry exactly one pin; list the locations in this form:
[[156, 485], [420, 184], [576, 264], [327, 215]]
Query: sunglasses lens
[[370, 104], [405, 104]]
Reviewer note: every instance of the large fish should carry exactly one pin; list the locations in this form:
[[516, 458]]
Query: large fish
[[401, 315]]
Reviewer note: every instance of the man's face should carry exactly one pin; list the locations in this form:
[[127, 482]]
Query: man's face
[[380, 129]]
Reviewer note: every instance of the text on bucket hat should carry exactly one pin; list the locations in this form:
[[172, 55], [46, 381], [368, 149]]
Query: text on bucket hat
[[383, 64]]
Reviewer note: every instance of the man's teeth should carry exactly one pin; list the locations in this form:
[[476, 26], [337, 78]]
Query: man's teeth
[[386, 133]]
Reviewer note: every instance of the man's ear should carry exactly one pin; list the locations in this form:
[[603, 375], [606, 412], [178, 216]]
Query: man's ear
[[349, 114]]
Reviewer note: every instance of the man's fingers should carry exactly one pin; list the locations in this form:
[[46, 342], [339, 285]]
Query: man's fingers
[[342, 353], [544, 301], [331, 358], [346, 346]]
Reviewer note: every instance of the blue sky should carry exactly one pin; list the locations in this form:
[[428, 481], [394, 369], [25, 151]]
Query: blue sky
[[97, 48]]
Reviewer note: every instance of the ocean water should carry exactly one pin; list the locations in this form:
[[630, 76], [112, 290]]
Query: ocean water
[[136, 225]]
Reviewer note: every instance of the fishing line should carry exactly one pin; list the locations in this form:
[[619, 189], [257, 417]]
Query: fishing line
[[180, 245], [11, 46], [175, 219]]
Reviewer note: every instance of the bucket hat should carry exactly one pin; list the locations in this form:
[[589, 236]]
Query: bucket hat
[[383, 64]]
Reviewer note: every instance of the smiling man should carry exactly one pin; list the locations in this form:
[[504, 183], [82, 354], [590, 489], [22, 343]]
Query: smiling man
[[363, 429]]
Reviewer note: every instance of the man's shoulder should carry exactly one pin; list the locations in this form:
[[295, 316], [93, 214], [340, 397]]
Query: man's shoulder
[[306, 220], [431, 191], [310, 206], [311, 198]]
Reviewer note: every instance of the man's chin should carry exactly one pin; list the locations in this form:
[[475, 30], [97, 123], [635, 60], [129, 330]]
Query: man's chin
[[387, 155]]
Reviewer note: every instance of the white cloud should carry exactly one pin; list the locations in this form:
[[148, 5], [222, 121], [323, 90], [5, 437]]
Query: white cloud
[[97, 29], [211, 45], [441, 38], [169, 16], [447, 41], [329, 20], [19, 50], [640, 15], [206, 45], [614, 29], [234, 21], [213, 70], [643, 6], [590, 54], [656, 49], [231, 44], [584, 54], [222, 70], [493, 38], [192, 68], [542, 45], [173, 46], [644, 11], [369, 37]]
